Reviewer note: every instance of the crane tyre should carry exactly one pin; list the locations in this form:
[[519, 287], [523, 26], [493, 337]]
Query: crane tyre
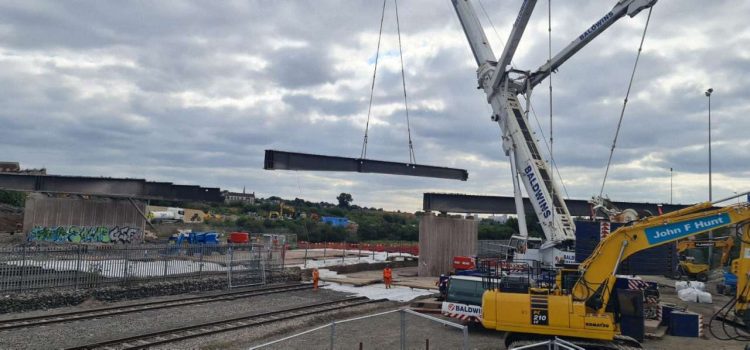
[[703, 277]]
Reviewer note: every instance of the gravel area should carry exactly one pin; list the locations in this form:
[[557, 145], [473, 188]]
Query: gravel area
[[244, 338], [384, 332], [57, 336]]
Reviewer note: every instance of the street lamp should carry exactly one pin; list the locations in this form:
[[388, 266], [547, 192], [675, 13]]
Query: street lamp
[[670, 185], [710, 194]]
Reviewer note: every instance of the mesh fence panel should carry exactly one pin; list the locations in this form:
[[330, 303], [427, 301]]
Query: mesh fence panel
[[39, 267]]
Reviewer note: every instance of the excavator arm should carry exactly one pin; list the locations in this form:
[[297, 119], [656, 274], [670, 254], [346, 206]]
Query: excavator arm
[[597, 273], [725, 243]]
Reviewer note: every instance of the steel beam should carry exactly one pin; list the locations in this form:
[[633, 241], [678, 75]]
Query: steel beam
[[107, 187], [461, 203], [281, 160]]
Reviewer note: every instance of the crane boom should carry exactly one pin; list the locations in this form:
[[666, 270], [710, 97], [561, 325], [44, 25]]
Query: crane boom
[[502, 94], [622, 8], [518, 141]]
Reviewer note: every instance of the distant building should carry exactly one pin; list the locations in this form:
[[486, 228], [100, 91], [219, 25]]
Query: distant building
[[9, 167], [15, 168], [499, 218], [237, 197]]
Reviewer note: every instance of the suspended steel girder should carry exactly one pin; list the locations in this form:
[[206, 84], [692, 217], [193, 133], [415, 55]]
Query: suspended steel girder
[[282, 160]]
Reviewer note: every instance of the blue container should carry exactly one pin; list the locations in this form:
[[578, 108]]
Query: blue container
[[666, 313], [657, 261], [335, 221], [685, 324], [730, 279]]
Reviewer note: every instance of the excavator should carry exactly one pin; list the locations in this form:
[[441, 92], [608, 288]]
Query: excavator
[[282, 213], [698, 271], [575, 304]]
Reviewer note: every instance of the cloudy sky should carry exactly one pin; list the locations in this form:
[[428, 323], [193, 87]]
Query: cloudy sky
[[193, 92]]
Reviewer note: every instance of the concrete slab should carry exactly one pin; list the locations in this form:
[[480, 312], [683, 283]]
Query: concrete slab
[[657, 333], [402, 276]]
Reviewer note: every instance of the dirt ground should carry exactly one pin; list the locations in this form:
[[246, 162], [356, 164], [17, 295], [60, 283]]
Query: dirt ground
[[402, 276], [383, 332]]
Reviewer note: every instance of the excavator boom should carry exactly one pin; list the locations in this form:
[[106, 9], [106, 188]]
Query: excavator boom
[[597, 272]]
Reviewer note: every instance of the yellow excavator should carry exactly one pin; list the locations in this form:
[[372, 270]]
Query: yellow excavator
[[575, 305], [283, 210], [698, 271]]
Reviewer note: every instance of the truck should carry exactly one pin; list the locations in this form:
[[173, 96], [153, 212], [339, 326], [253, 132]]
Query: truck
[[169, 215], [463, 299], [205, 242]]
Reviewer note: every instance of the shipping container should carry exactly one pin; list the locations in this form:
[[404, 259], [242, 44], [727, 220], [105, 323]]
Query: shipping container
[[661, 260]]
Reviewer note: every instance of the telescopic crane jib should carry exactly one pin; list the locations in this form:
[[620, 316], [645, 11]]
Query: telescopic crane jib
[[502, 86]]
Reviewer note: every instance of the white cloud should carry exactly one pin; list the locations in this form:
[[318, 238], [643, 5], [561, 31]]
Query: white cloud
[[194, 92]]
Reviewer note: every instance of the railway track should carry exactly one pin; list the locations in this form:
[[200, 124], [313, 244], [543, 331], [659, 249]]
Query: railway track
[[140, 307], [147, 340]]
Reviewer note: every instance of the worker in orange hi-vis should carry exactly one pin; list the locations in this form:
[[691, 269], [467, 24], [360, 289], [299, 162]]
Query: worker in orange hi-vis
[[315, 278], [387, 276]]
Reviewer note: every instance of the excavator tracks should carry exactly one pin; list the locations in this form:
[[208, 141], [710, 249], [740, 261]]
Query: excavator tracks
[[620, 343]]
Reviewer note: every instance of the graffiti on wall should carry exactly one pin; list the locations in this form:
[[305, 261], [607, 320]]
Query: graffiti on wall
[[93, 234]]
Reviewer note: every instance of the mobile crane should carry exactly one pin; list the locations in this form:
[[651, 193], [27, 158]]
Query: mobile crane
[[503, 85]]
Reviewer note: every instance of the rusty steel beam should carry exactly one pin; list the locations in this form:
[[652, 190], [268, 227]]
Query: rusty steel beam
[[281, 160]]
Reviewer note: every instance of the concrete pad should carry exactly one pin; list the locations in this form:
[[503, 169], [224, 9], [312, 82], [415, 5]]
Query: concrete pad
[[658, 333], [402, 276], [651, 326]]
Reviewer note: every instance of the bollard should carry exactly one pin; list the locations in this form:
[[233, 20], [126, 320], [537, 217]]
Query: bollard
[[360, 345], [466, 337], [427, 344], [403, 330], [333, 333]]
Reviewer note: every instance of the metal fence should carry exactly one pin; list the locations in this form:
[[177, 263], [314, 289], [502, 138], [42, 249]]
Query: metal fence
[[493, 248], [248, 268], [80, 266], [391, 247], [414, 331]]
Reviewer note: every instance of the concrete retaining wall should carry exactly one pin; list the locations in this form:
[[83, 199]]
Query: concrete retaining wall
[[442, 238], [76, 219]]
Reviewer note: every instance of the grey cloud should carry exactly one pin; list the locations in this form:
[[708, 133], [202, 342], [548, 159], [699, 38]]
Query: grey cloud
[[189, 47]]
